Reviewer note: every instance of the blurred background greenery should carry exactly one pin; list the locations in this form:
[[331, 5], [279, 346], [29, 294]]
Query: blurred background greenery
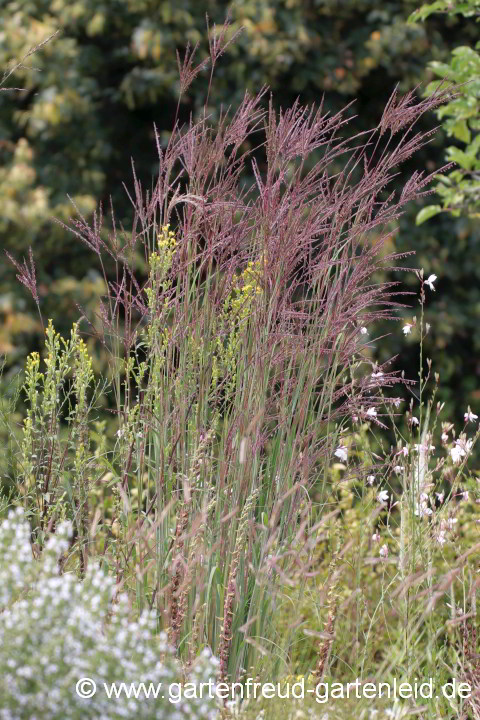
[[89, 99]]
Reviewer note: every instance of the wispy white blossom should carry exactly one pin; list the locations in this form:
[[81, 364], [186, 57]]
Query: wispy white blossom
[[342, 453], [422, 508], [470, 416], [430, 280], [461, 449], [382, 496], [456, 453]]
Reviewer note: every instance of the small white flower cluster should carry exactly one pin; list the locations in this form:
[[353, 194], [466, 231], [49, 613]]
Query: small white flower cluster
[[461, 449], [423, 508], [55, 630], [416, 457], [445, 527]]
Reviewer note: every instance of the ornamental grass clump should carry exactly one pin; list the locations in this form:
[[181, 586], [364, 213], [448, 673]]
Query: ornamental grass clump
[[56, 631], [237, 359]]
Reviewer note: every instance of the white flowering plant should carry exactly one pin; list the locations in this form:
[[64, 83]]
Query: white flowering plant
[[406, 509], [56, 632]]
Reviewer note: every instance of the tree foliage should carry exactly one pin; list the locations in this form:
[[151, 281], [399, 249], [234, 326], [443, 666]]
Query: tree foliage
[[460, 189]]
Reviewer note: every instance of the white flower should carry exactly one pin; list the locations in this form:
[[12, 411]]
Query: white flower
[[470, 416], [463, 447], [427, 327], [342, 453], [457, 452], [444, 437], [364, 330], [414, 421], [440, 496], [422, 508], [397, 401], [371, 479], [451, 522], [382, 496], [441, 539], [375, 537], [430, 280], [384, 551], [371, 412], [403, 451], [465, 495], [398, 469], [377, 374], [407, 329]]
